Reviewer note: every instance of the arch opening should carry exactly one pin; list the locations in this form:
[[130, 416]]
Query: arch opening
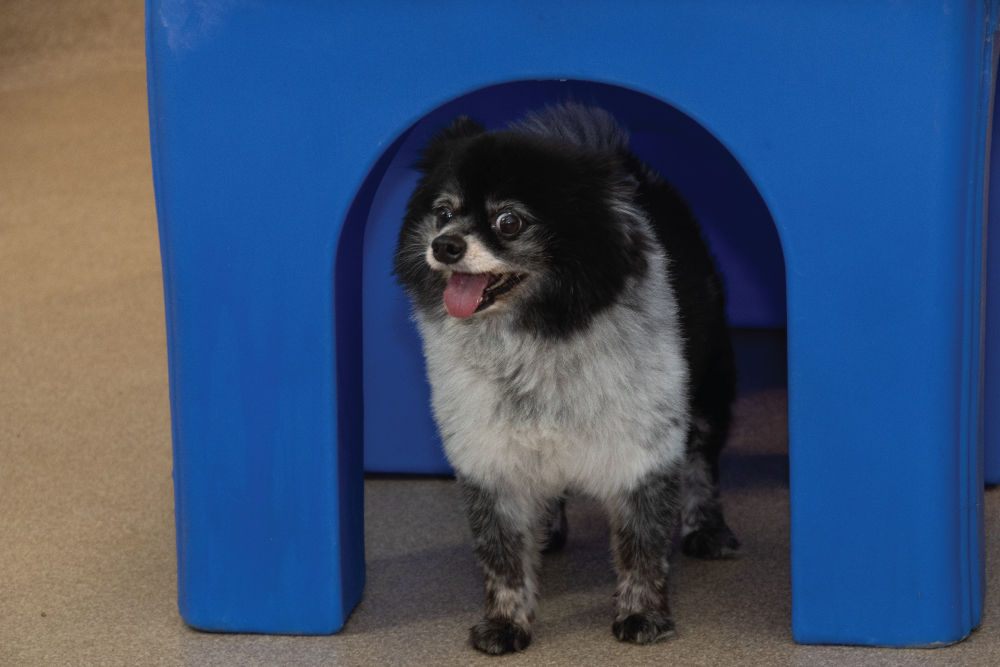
[[384, 396]]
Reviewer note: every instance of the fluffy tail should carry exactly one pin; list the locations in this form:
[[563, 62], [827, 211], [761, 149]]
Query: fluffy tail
[[589, 127]]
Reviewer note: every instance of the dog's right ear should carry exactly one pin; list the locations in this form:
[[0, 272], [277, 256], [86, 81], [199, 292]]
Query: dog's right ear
[[461, 128]]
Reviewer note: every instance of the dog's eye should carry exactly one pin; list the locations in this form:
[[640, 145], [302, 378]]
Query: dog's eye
[[508, 225], [442, 214]]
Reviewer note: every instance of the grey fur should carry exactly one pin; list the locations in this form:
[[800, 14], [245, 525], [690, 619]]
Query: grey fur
[[642, 527], [525, 418]]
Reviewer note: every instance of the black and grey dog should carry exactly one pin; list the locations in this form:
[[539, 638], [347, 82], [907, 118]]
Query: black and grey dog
[[574, 329]]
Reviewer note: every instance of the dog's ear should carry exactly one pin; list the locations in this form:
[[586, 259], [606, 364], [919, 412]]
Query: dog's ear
[[461, 128]]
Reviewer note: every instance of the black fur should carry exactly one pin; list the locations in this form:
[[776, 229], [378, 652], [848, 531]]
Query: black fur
[[566, 186], [500, 548], [642, 528], [556, 528], [499, 542]]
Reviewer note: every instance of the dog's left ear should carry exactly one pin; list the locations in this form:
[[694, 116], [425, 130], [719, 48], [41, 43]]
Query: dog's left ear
[[461, 128]]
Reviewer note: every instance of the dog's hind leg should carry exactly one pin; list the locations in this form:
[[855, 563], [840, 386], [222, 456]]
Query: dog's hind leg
[[704, 530], [506, 529], [555, 526], [642, 528]]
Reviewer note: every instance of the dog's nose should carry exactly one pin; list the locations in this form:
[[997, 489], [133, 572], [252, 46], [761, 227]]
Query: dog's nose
[[448, 248]]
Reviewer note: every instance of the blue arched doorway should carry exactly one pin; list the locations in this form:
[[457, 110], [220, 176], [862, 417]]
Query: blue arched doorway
[[398, 430]]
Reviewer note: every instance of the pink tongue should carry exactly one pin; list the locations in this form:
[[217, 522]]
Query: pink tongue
[[464, 292]]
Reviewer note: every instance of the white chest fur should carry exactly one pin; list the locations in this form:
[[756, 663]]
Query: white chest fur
[[593, 412]]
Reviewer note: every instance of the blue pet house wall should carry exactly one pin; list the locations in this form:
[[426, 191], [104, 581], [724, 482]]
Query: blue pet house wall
[[862, 126]]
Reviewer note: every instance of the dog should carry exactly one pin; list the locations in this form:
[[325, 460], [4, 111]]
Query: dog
[[573, 324]]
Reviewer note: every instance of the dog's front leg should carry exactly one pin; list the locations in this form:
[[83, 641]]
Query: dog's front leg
[[504, 526], [642, 528]]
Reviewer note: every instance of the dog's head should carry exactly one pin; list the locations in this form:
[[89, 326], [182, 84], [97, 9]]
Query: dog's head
[[511, 224]]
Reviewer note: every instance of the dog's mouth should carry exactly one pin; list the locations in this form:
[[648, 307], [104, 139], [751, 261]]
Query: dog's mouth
[[469, 293]]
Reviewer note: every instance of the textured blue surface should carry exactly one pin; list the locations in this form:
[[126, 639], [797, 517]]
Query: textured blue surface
[[862, 127]]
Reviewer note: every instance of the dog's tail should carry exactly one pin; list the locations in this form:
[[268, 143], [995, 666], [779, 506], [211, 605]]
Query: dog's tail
[[586, 126]]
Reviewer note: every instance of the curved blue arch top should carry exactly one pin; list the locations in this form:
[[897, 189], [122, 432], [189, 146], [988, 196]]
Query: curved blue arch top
[[862, 127]]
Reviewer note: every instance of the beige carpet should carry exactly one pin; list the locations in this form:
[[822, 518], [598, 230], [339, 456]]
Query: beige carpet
[[87, 572]]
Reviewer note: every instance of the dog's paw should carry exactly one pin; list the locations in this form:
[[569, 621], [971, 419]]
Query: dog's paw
[[712, 543], [498, 636], [644, 628]]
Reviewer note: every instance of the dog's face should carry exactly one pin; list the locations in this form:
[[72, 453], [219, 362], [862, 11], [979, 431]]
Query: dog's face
[[509, 225], [484, 248]]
